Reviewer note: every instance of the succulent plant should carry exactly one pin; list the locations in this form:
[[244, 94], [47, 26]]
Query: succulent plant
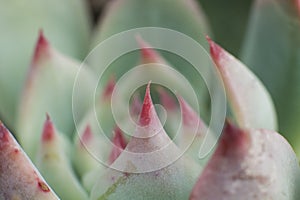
[[83, 133]]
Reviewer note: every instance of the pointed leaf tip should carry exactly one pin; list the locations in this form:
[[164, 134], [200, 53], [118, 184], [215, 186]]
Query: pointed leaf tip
[[119, 144], [167, 101], [148, 54], [215, 49], [87, 135], [109, 88], [246, 93], [4, 134], [147, 109], [298, 6], [48, 130], [189, 116], [41, 46]]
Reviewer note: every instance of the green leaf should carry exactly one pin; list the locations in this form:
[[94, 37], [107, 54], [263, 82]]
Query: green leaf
[[251, 103], [49, 89], [250, 164], [54, 164], [121, 15], [19, 179], [272, 51], [65, 22]]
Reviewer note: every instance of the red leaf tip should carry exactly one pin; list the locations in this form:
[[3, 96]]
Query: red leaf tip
[[41, 47], [233, 140], [119, 145], [167, 101], [109, 88], [87, 135], [48, 130], [4, 133], [148, 54], [215, 50], [298, 6], [189, 116], [145, 116]]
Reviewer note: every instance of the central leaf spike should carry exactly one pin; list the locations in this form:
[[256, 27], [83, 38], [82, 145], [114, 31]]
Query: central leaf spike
[[149, 134], [148, 111]]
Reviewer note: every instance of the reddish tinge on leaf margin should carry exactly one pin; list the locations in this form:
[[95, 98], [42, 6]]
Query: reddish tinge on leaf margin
[[249, 164], [19, 179], [246, 94]]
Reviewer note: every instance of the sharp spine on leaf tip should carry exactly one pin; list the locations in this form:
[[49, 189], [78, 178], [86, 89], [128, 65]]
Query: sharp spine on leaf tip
[[189, 116], [87, 135], [48, 130], [215, 50], [41, 47], [145, 116], [109, 88], [167, 101]]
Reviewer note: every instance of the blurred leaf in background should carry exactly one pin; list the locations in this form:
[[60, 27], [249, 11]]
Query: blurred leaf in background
[[228, 20], [272, 51]]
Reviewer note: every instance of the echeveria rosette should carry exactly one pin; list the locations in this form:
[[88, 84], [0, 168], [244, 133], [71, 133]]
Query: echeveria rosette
[[163, 183], [67, 25], [19, 179], [272, 51], [53, 161], [49, 88]]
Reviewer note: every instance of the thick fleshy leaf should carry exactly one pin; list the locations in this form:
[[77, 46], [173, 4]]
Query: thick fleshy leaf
[[139, 179], [119, 143], [193, 131], [67, 25], [251, 103], [172, 110], [19, 179], [99, 117], [54, 164], [88, 146], [249, 164], [272, 51], [49, 88]]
